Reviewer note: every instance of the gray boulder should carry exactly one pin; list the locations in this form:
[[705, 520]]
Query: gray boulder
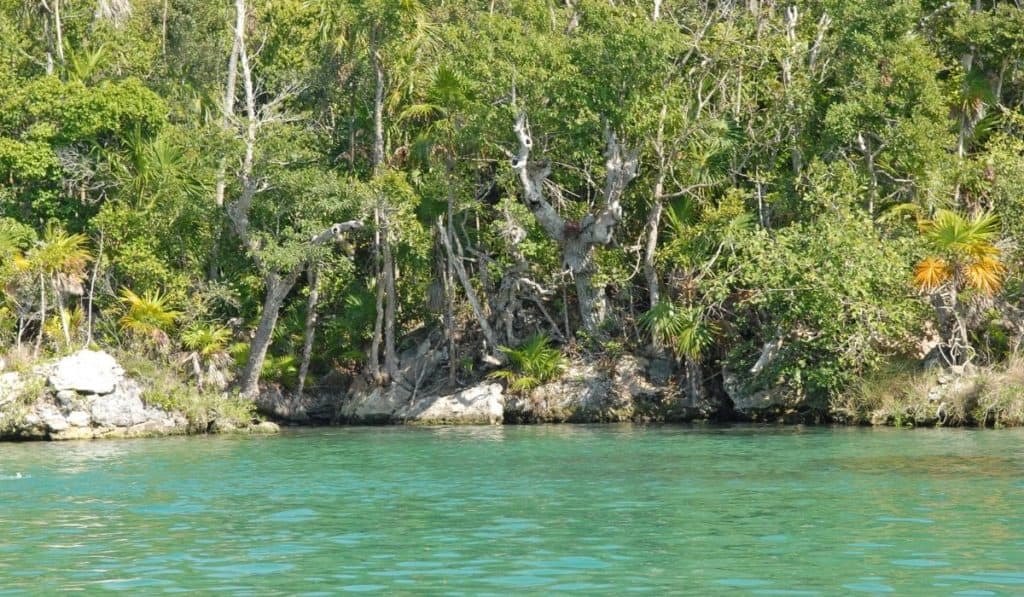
[[584, 394], [11, 385], [86, 372], [771, 404], [476, 405], [274, 402], [87, 396]]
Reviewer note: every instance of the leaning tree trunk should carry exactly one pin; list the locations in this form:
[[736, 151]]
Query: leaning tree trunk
[[278, 286], [577, 240], [279, 283], [310, 331], [277, 291]]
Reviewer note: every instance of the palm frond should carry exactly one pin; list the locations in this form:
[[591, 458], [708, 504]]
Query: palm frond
[[985, 274], [533, 363], [931, 273], [147, 316], [686, 329]]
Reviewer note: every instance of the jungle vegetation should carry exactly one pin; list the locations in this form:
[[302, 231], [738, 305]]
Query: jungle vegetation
[[802, 193]]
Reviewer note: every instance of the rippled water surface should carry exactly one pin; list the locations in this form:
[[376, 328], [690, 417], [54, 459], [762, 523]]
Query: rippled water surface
[[590, 510]]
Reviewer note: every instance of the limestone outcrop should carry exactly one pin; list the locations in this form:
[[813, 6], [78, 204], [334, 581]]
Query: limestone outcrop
[[81, 396], [481, 404], [86, 395]]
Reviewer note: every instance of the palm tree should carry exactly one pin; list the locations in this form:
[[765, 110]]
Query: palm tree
[[964, 258], [208, 350], [147, 317], [686, 329], [59, 263]]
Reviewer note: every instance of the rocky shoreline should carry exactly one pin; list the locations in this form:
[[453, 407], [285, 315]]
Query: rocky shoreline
[[87, 395], [632, 389]]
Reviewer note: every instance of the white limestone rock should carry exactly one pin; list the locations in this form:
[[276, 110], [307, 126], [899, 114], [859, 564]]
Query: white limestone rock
[[477, 405], [86, 372]]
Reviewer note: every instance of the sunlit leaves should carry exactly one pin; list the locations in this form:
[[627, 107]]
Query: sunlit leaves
[[971, 257], [985, 274], [532, 363], [931, 273], [148, 317], [206, 340]]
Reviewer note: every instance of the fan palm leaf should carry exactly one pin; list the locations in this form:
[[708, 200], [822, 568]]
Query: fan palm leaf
[[931, 272]]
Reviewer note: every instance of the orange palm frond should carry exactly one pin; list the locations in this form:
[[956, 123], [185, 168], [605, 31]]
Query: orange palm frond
[[985, 274], [931, 273]]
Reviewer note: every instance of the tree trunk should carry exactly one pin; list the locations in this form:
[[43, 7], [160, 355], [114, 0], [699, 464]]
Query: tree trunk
[[651, 247], [227, 114], [92, 292], [467, 286], [163, 29], [449, 278], [277, 291], [383, 331], [952, 329], [378, 321], [310, 331], [390, 358], [42, 316], [49, 45], [59, 29], [593, 302], [378, 105], [578, 240], [65, 326], [654, 217]]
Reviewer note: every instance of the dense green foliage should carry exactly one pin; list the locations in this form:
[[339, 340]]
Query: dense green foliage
[[794, 161]]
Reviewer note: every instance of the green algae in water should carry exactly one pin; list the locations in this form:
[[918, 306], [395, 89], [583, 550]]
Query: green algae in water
[[496, 510]]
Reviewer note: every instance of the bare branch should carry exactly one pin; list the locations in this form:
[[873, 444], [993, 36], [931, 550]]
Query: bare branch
[[533, 177]]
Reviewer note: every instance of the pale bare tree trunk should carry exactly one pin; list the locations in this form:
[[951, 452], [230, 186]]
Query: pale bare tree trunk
[[578, 240], [118, 11], [49, 43], [390, 358], [59, 28], [92, 292], [455, 259], [42, 316], [378, 321], [654, 217], [449, 277], [310, 331], [163, 29], [384, 324], [277, 290], [378, 105], [227, 115], [278, 287]]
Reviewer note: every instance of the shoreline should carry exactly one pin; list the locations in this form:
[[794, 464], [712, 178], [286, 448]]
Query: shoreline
[[89, 395]]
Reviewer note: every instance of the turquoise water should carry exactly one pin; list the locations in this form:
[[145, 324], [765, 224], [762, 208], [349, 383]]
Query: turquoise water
[[548, 509]]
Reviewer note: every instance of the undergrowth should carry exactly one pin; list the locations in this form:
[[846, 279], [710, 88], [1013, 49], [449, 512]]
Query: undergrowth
[[905, 395], [165, 389]]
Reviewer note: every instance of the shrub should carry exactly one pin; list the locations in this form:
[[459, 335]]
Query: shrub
[[533, 363]]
